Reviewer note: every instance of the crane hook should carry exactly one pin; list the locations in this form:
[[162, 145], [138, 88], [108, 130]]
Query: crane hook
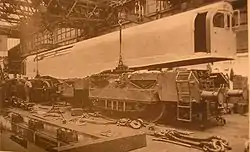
[[120, 22]]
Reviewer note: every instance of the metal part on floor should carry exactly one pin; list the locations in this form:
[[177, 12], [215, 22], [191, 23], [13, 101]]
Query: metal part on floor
[[210, 144]]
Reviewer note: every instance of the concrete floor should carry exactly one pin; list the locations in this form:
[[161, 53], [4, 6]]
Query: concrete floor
[[235, 131]]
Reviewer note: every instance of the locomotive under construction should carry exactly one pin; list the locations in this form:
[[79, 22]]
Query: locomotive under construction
[[168, 95], [141, 90], [209, 37], [185, 95]]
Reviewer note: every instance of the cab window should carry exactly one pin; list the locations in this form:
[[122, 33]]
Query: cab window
[[218, 20], [228, 21], [236, 19]]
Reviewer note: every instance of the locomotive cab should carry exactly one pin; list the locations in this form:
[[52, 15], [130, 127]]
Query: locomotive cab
[[214, 31], [222, 32]]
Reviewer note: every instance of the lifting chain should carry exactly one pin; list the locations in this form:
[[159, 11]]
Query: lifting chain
[[211, 144], [120, 44], [135, 124], [121, 66]]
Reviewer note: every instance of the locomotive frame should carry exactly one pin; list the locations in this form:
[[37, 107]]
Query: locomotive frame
[[181, 95]]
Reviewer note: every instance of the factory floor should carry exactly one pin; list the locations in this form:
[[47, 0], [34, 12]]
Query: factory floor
[[235, 131]]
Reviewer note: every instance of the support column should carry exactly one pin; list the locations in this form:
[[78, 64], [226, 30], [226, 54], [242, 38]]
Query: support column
[[3, 48]]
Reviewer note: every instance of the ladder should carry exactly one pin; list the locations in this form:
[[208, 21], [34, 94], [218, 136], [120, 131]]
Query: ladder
[[184, 103]]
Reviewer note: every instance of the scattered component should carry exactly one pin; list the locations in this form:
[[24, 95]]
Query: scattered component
[[84, 115], [40, 117], [19, 140], [54, 109], [107, 133], [64, 121], [56, 112], [52, 115], [135, 124], [220, 121], [67, 135], [16, 118], [151, 127], [95, 114], [172, 142], [211, 144], [19, 103], [76, 111], [35, 124], [42, 107]]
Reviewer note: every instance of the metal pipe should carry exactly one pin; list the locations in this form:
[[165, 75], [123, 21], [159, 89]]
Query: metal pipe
[[117, 105], [124, 106], [136, 8], [213, 96], [209, 94], [238, 93], [234, 93], [112, 105], [173, 142]]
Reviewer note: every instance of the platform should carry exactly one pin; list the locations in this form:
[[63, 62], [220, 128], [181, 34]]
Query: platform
[[103, 136]]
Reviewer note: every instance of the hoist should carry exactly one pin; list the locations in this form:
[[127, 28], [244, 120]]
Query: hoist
[[121, 67]]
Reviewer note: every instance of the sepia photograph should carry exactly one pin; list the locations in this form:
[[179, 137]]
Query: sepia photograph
[[124, 76]]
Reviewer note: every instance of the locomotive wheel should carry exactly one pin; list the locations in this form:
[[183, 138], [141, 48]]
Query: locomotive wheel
[[152, 113], [148, 113]]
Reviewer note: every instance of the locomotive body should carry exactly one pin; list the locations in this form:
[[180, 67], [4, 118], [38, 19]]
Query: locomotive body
[[208, 32], [184, 95]]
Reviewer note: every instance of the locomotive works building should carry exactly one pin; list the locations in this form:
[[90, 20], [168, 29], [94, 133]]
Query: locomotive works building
[[48, 30]]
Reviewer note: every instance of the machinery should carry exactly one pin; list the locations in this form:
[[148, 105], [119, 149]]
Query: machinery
[[238, 99], [183, 95], [43, 90]]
